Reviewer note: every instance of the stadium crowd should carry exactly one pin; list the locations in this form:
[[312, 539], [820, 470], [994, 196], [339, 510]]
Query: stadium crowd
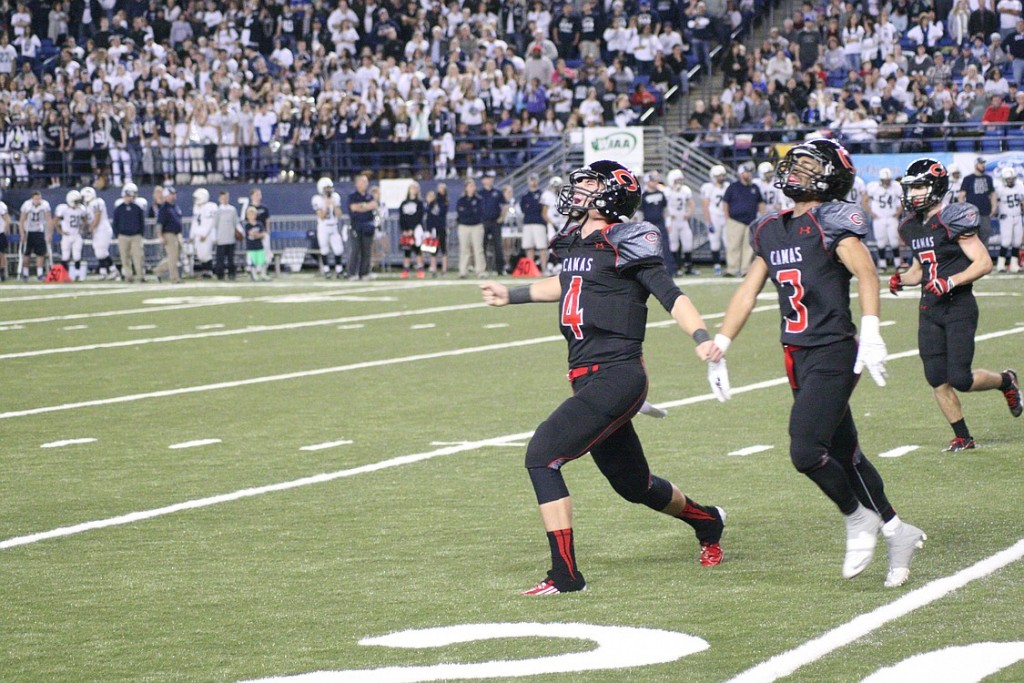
[[894, 76], [116, 91]]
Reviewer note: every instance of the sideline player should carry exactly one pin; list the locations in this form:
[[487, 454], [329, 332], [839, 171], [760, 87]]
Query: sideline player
[[327, 206], [203, 231], [711, 194], [946, 239], [810, 255], [1009, 208], [35, 228], [610, 267], [882, 201], [774, 200], [97, 222], [5, 228], [679, 210], [69, 220]]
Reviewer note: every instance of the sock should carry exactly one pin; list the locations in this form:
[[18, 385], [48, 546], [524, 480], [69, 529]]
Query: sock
[[563, 554], [831, 479], [704, 520], [716, 257], [1007, 381], [960, 429], [688, 260]]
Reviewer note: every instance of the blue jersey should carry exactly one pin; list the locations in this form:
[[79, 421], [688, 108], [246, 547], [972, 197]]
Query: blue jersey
[[531, 206]]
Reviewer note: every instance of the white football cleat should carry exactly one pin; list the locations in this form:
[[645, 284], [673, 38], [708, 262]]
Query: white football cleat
[[861, 537], [902, 542]]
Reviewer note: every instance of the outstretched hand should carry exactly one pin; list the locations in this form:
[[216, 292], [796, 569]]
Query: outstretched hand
[[495, 293]]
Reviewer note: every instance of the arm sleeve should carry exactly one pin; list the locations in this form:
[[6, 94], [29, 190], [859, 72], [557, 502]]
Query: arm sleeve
[[657, 281]]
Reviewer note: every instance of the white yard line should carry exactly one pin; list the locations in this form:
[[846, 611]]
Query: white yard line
[[751, 450], [193, 444], [329, 444], [229, 333], [784, 664], [66, 442], [256, 491], [898, 452]]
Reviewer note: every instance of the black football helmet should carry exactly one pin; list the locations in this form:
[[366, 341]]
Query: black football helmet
[[617, 198], [834, 181], [924, 173]]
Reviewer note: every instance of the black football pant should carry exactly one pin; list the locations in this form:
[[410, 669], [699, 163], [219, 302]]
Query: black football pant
[[945, 339], [823, 437]]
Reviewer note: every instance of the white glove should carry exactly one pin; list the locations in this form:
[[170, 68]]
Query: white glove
[[718, 378], [872, 351]]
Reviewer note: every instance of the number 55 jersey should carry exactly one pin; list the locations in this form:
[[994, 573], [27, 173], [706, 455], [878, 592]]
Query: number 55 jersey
[[813, 285]]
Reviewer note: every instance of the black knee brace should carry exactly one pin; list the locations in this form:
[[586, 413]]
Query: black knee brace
[[962, 381]]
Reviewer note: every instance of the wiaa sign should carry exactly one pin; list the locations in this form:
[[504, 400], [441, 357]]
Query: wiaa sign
[[624, 145]]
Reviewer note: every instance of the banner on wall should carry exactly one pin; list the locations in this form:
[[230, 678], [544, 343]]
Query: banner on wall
[[624, 145]]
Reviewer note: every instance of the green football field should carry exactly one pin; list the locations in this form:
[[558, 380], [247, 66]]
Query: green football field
[[228, 482]]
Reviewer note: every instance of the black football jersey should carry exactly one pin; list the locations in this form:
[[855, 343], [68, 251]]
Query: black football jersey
[[813, 285], [606, 280], [936, 244]]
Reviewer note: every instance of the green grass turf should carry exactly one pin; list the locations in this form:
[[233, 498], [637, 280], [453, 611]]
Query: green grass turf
[[289, 582]]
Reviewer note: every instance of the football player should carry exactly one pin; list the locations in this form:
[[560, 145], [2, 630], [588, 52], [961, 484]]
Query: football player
[[679, 210], [711, 194], [5, 227], [69, 220], [97, 224], [810, 254], [35, 228], [327, 206], [882, 201], [857, 191], [202, 231], [1009, 205], [610, 267], [774, 200], [949, 257]]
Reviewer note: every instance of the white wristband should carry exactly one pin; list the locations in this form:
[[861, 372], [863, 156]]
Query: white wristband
[[722, 342], [869, 326]]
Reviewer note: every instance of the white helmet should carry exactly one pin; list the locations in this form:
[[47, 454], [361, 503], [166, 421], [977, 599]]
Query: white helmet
[[717, 171], [323, 184], [674, 177], [73, 198], [200, 196], [88, 194], [885, 174], [765, 169], [555, 181], [129, 188], [1006, 173]]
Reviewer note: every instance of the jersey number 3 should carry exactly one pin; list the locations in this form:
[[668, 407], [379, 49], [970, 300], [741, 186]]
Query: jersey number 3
[[792, 277], [572, 314]]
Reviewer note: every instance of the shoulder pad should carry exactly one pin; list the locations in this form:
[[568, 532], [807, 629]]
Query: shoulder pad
[[960, 219], [634, 242], [838, 218]]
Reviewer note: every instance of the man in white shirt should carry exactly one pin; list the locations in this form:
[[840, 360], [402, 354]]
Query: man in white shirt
[[8, 55], [678, 211], [327, 206], [1009, 209], [69, 219]]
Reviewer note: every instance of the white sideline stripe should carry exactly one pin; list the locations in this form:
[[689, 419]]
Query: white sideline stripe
[[68, 328], [784, 664], [193, 444], [142, 327], [422, 326], [328, 444], [66, 442], [245, 330], [256, 491], [211, 326], [750, 450], [12, 327], [495, 326], [426, 356], [898, 452]]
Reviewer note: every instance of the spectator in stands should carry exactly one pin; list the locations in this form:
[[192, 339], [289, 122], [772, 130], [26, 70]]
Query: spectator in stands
[[1015, 48], [997, 112], [958, 21], [983, 21], [996, 84], [1009, 12], [926, 32]]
